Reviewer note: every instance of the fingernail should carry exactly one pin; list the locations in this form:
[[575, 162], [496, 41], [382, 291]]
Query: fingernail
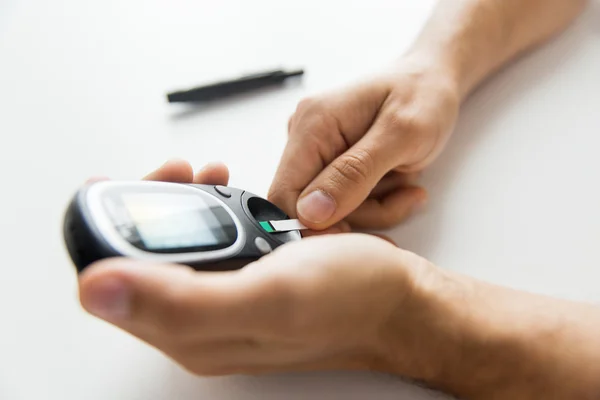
[[109, 299], [316, 207]]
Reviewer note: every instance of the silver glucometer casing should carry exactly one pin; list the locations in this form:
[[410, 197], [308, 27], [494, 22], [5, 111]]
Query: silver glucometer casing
[[206, 227]]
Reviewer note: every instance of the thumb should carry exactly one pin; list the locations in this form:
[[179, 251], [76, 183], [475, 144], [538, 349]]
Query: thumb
[[164, 303], [347, 181]]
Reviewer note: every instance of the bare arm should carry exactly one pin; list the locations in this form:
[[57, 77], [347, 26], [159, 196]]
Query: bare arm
[[473, 38], [476, 340], [484, 342]]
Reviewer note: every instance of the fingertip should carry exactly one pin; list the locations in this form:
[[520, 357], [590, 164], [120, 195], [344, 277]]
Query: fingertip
[[180, 165], [421, 198], [176, 161], [105, 292], [95, 179], [109, 268], [121, 290], [213, 173], [215, 165], [344, 227], [316, 208], [174, 170]]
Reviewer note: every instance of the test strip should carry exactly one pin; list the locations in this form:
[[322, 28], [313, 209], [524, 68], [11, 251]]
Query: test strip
[[285, 225]]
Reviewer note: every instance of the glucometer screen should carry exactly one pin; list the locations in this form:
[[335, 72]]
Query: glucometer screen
[[175, 222]]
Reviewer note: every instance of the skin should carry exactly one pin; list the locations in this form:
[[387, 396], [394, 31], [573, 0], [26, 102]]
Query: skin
[[355, 301]]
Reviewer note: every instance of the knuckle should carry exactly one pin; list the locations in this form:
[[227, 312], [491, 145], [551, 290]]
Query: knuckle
[[414, 132], [356, 167], [315, 125], [309, 104], [406, 121], [313, 117]]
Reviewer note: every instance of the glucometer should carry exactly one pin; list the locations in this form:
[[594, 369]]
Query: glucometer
[[207, 227]]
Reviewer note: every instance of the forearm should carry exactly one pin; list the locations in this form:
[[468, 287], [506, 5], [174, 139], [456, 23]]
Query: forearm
[[470, 39], [480, 341]]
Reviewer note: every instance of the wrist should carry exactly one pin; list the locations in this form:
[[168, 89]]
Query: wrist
[[476, 340], [439, 73], [448, 66], [415, 339], [472, 39], [443, 336], [468, 40]]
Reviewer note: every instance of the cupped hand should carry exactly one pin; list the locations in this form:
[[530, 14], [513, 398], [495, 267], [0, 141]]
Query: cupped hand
[[355, 154], [319, 303]]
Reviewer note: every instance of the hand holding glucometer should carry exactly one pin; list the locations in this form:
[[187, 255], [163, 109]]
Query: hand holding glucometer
[[208, 227]]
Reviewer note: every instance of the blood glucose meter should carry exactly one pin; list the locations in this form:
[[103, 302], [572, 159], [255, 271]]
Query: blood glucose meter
[[204, 226]]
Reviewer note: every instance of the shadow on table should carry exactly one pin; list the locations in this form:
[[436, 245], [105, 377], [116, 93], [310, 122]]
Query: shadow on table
[[485, 106]]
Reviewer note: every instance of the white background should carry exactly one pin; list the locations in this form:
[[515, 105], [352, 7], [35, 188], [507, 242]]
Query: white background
[[515, 198]]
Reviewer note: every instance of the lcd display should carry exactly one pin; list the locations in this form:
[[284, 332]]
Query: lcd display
[[173, 221]]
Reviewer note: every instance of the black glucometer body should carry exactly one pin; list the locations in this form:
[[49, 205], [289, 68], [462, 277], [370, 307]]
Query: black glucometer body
[[207, 227]]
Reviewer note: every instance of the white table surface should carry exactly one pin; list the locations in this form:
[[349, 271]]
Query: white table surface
[[514, 198]]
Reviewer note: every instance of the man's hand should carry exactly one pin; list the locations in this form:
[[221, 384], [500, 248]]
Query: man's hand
[[319, 303], [355, 154]]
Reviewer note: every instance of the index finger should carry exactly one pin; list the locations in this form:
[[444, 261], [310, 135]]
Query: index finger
[[320, 130], [301, 161]]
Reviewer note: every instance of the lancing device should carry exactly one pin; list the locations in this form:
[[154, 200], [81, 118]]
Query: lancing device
[[207, 227], [236, 86]]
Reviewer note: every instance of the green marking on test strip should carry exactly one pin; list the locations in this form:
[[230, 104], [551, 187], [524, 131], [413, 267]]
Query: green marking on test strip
[[267, 226]]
